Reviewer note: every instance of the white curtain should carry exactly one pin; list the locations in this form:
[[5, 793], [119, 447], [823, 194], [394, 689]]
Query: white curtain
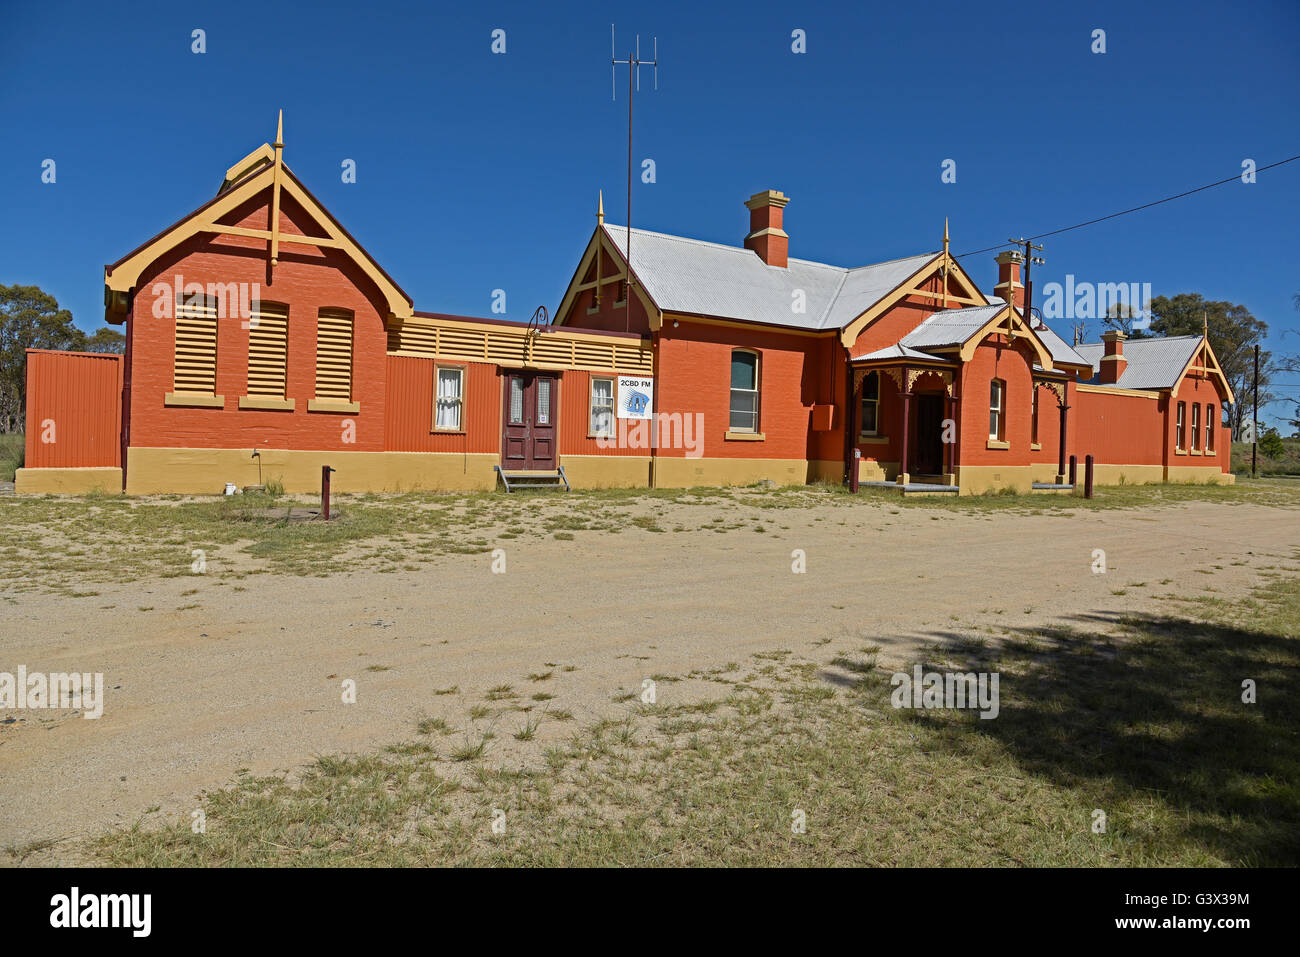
[[448, 416]]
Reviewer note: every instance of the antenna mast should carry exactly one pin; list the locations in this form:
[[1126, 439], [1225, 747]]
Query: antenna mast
[[633, 61]]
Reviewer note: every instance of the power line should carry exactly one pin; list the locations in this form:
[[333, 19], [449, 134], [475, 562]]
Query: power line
[[1124, 212]]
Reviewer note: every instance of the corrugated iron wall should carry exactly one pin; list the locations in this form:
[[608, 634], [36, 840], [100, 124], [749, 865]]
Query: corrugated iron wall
[[408, 409], [74, 409]]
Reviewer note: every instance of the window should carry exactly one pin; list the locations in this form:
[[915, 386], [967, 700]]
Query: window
[[744, 391], [449, 412], [1033, 422], [997, 409], [871, 404], [1211, 423], [1196, 426], [334, 355], [543, 402], [1180, 442], [268, 350], [516, 400], [602, 406], [196, 346]]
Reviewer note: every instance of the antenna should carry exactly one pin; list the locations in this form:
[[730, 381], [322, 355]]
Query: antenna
[[633, 62]]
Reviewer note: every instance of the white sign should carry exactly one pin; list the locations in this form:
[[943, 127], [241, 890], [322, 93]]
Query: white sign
[[636, 396]]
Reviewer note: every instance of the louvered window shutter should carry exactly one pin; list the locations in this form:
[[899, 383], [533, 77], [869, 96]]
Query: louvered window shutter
[[334, 356], [196, 346], [268, 351]]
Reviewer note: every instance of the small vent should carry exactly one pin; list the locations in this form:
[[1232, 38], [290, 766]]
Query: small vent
[[334, 356], [268, 351], [196, 346]]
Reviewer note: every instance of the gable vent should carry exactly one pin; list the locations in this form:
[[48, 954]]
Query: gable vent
[[268, 351], [334, 355], [196, 346]]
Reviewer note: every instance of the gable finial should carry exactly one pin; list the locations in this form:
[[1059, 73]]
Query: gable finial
[[600, 206], [1205, 323], [279, 132], [275, 190], [944, 268]]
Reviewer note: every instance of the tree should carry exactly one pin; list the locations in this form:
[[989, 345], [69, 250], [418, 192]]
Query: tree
[[1233, 333], [30, 318], [1121, 317], [1270, 443]]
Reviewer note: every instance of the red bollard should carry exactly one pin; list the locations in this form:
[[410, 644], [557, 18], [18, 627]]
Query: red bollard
[[1074, 469], [325, 471], [1087, 476]]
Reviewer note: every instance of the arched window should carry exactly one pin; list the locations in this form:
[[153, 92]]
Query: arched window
[[1211, 426], [997, 410], [1180, 427], [744, 391], [870, 404], [1196, 426]]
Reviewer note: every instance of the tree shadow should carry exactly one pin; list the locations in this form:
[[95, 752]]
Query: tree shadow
[[1155, 711]]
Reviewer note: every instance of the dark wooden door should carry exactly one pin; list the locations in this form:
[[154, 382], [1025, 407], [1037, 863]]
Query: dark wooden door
[[929, 434], [528, 432]]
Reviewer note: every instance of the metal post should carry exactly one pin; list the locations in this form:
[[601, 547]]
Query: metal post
[[854, 424], [325, 471], [1087, 476], [1060, 465], [902, 462], [1254, 432], [1074, 469]]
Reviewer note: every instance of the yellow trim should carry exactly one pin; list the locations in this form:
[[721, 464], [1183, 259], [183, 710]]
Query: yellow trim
[[1180, 451], [738, 324], [1035, 446], [997, 444], [655, 314], [851, 331], [1216, 371], [265, 402], [205, 471], [194, 401], [607, 471], [1014, 322], [126, 275], [73, 481], [681, 472], [731, 436], [332, 405], [1111, 390]]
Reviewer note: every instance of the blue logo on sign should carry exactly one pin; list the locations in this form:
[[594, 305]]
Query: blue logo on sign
[[636, 402]]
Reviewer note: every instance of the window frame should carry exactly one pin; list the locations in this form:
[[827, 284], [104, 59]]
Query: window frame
[[1180, 427], [1210, 429], [874, 432], [592, 432], [1033, 413], [463, 373], [1196, 428], [998, 412], [757, 392]]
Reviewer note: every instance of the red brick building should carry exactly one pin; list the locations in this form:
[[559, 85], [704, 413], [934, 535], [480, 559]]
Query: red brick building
[[264, 342]]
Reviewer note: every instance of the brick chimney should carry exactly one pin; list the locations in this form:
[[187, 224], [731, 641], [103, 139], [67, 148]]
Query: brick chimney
[[766, 237], [1112, 358], [1009, 286]]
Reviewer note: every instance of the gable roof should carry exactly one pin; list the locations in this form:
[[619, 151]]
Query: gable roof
[[951, 327], [731, 282], [243, 181], [1156, 363]]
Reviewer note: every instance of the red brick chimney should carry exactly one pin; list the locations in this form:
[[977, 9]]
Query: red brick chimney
[[1112, 358], [766, 237], [1009, 286]]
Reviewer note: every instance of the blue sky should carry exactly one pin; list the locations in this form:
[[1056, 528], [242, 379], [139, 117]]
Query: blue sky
[[478, 171]]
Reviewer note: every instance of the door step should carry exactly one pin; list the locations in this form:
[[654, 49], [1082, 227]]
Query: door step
[[513, 481]]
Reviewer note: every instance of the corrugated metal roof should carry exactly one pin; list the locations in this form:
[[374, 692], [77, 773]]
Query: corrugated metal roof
[[1152, 363], [951, 327], [731, 282], [897, 352], [1058, 347]]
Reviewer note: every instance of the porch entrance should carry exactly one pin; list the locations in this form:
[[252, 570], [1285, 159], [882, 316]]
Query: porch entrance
[[929, 434], [530, 412]]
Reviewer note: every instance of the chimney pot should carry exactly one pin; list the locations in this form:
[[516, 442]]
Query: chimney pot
[[1113, 362], [1009, 286], [766, 237]]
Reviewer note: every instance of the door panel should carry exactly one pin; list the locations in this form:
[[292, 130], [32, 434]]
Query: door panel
[[530, 410]]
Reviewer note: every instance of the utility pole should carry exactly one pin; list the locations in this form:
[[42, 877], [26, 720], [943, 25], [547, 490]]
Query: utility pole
[[1030, 259], [633, 61], [1254, 432]]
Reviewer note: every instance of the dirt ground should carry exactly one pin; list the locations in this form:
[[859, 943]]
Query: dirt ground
[[251, 680]]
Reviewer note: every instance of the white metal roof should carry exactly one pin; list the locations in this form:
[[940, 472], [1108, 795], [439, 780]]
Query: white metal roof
[[1154, 363], [732, 282]]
